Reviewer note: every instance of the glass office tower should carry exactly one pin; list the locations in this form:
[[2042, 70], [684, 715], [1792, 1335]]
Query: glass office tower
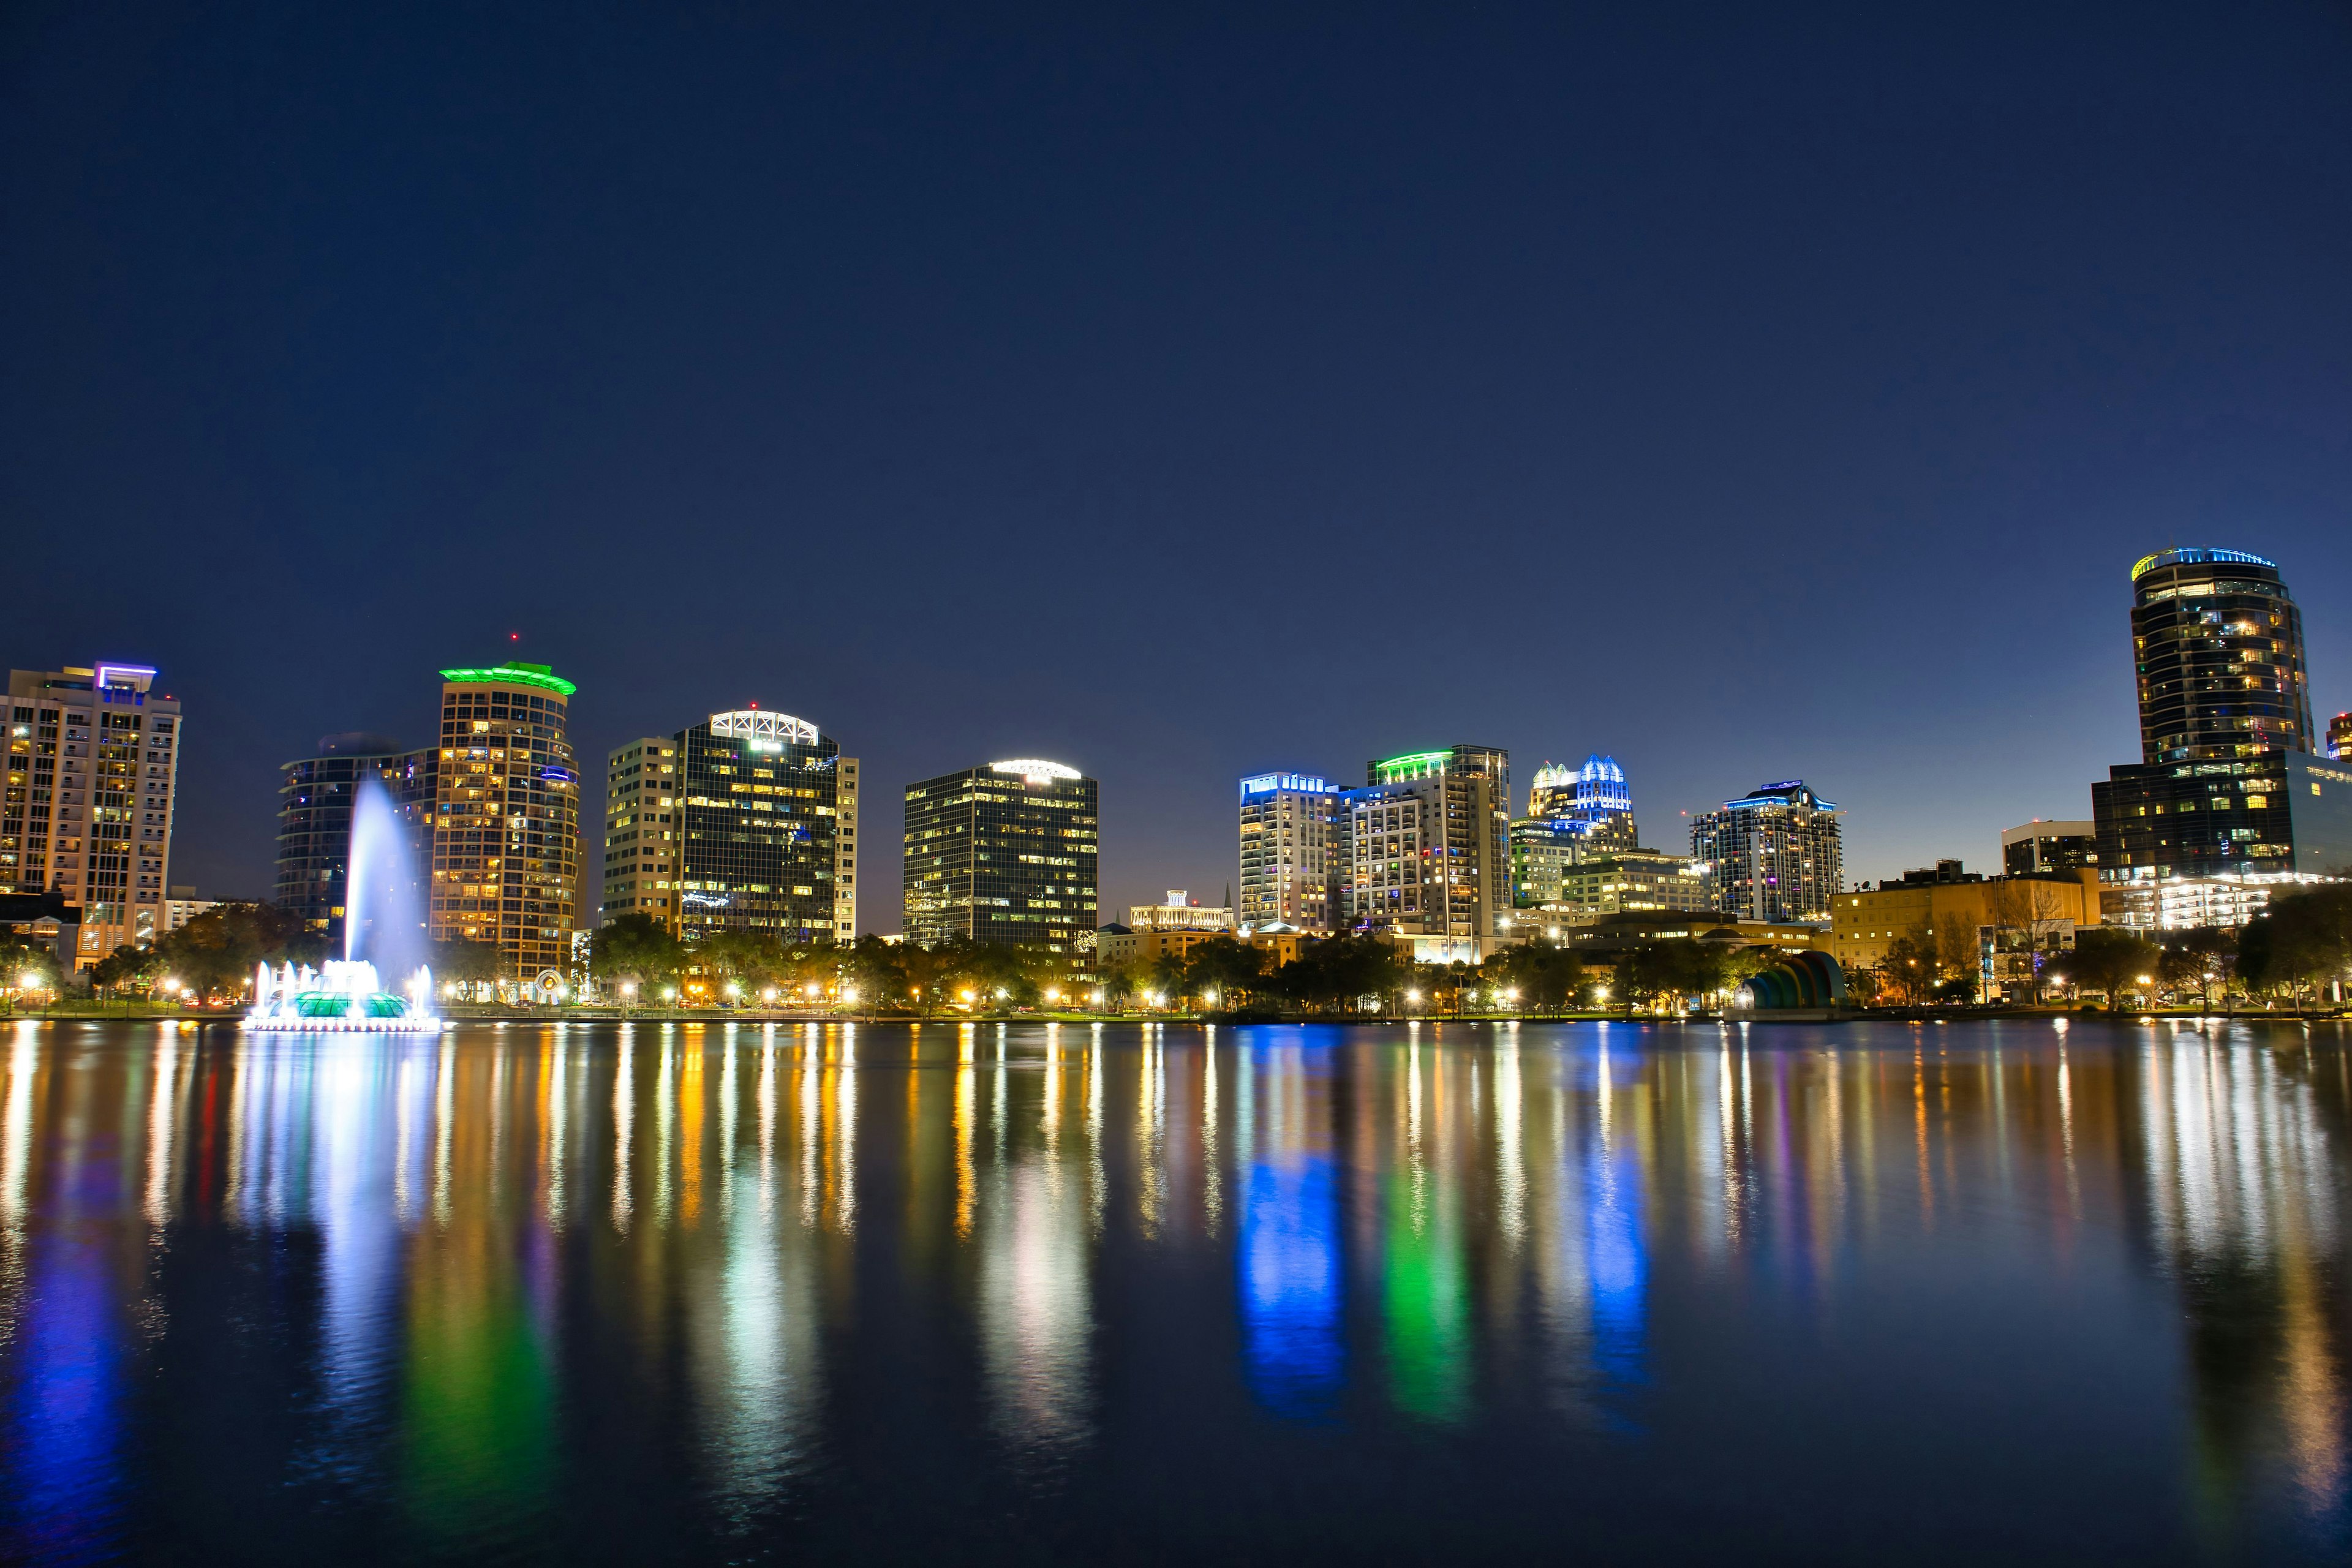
[[760, 814], [2219, 645], [1006, 854], [506, 820]]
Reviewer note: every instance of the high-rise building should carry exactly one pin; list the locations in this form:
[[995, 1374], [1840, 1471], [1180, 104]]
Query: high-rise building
[[1595, 796], [1006, 854], [1428, 849], [1290, 851], [506, 819], [1544, 851], [93, 766], [762, 838], [2339, 737], [315, 798], [2219, 646], [2040, 846], [641, 831], [1775, 854], [2226, 784]]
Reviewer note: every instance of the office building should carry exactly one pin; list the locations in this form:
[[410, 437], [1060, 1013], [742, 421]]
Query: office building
[[1289, 851], [761, 838], [2339, 737], [1595, 796], [1544, 850], [315, 795], [2227, 783], [1775, 854], [1428, 851], [1181, 911], [641, 832], [1006, 854], [2040, 846], [93, 769], [505, 816], [1632, 881]]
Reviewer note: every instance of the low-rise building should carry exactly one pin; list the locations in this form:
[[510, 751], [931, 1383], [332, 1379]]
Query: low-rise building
[[1634, 881], [2033, 914], [2040, 846], [1180, 913], [2187, 903]]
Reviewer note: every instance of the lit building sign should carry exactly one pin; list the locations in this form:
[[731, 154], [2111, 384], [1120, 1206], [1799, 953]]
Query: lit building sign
[[137, 675], [1035, 770], [2195, 557], [766, 731], [511, 674]]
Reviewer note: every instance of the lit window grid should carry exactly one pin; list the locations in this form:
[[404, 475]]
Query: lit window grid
[[506, 825]]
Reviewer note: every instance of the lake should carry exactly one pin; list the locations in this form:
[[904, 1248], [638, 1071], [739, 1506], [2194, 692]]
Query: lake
[[2036, 1289]]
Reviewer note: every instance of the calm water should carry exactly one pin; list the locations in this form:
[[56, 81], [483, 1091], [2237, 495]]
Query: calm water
[[972, 1294]]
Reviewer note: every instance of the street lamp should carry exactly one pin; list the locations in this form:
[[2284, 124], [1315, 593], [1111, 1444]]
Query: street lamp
[[1413, 996], [849, 994], [1052, 994]]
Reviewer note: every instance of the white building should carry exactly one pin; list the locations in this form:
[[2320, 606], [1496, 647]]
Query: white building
[[1289, 852]]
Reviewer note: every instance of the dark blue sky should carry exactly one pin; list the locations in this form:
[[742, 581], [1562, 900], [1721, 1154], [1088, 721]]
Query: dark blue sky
[[1177, 395]]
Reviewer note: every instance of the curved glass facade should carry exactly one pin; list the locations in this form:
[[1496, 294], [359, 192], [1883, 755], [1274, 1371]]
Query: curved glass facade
[[2219, 645]]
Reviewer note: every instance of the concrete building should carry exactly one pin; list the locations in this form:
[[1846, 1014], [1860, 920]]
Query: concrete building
[[2038, 911], [506, 817], [1775, 854], [93, 770], [1544, 851], [183, 906], [1427, 852], [2339, 737], [1290, 851], [2045, 845], [641, 831], [1005, 853], [315, 796]]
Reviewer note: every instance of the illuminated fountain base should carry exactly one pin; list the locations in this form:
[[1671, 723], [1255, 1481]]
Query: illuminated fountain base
[[346, 997]]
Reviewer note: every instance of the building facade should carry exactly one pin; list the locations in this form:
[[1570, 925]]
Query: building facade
[[1544, 851], [315, 796], [1596, 796], [1775, 854], [641, 832], [1428, 850], [2224, 712], [93, 775], [2189, 903], [1006, 854], [1290, 846], [2339, 737], [2040, 846], [2005, 920], [760, 843], [506, 817], [1635, 880]]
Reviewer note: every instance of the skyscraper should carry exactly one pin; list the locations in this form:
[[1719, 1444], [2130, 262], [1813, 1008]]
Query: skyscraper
[[506, 820], [93, 766], [1775, 854], [2219, 647], [1428, 849], [2339, 737], [1007, 854], [314, 821], [641, 832], [1594, 796], [1290, 851], [2226, 784], [763, 843]]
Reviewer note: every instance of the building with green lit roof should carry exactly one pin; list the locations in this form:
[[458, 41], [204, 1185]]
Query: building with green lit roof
[[1426, 854], [505, 816]]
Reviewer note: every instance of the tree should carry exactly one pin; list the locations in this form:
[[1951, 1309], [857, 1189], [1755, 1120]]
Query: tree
[[1547, 976], [216, 953], [1342, 971], [1914, 964], [2198, 961], [2300, 942], [469, 965], [21, 961], [1223, 969], [1958, 957], [127, 968], [631, 950], [2028, 915], [2110, 960]]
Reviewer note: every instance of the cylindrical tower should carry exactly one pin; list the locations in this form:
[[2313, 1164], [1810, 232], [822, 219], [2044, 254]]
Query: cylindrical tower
[[2219, 644]]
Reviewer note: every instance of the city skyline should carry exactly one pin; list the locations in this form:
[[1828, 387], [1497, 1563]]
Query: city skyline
[[1862, 359]]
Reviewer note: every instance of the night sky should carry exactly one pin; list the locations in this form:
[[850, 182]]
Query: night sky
[[1751, 394]]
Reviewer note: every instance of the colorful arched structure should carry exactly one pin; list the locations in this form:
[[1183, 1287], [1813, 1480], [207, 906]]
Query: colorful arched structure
[[1801, 980]]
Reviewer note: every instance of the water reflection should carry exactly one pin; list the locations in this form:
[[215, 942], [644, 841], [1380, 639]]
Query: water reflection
[[451, 1296]]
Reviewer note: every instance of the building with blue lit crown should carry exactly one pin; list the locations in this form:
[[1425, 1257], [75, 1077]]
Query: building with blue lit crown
[[1775, 854]]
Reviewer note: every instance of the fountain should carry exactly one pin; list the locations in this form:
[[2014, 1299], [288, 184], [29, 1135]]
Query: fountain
[[378, 913]]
